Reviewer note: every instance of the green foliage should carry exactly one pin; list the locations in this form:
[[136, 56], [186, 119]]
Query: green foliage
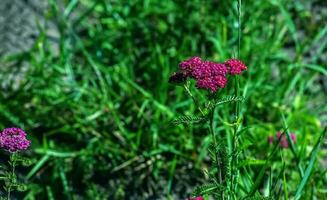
[[97, 106], [9, 176], [223, 159], [308, 170]]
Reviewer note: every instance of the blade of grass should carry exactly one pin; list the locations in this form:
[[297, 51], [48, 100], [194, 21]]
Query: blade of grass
[[314, 67], [49, 193], [171, 174], [275, 183], [260, 176], [308, 170], [38, 166], [149, 96], [57, 153], [289, 22], [65, 182], [285, 187], [293, 149]]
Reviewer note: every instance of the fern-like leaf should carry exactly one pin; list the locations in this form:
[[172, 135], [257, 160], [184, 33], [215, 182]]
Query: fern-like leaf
[[209, 188], [258, 196], [228, 99], [188, 120], [224, 160]]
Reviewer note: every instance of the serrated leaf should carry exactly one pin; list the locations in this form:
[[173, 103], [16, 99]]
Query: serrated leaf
[[188, 120], [209, 188], [228, 99], [258, 196], [223, 164]]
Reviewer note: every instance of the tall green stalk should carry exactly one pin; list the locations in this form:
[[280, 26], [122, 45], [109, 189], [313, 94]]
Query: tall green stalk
[[234, 161], [193, 98], [217, 156], [12, 175]]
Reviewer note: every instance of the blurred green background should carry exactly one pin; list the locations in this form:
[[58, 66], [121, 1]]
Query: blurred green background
[[92, 91]]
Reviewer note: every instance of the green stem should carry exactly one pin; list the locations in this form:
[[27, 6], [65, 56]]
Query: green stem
[[193, 98], [12, 164], [234, 161], [218, 162], [239, 28], [238, 46]]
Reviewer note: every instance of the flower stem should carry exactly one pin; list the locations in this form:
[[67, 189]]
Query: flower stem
[[12, 177], [234, 161], [217, 157], [193, 98], [239, 28]]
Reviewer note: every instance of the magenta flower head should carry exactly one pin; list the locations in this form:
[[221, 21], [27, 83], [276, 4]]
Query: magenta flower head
[[196, 198], [208, 75], [189, 64], [208, 69], [14, 140], [270, 139], [212, 83], [235, 66]]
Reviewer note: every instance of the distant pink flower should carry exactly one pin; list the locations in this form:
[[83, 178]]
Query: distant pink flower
[[293, 137], [196, 198], [283, 143], [270, 139], [235, 66], [13, 140]]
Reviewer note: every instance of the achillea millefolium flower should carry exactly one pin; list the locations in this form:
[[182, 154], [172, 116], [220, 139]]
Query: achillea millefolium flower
[[14, 140], [235, 66], [208, 69], [189, 64], [208, 75]]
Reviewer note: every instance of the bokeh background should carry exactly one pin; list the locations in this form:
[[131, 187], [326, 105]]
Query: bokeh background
[[88, 81]]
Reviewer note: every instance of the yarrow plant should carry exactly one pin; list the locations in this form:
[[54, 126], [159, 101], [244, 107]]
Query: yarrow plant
[[212, 76], [230, 173], [13, 140], [223, 175]]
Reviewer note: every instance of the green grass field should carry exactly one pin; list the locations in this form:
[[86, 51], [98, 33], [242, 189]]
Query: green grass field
[[97, 105]]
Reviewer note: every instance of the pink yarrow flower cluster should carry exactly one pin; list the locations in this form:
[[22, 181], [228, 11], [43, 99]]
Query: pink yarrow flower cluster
[[14, 140], [235, 66], [208, 75], [283, 143]]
